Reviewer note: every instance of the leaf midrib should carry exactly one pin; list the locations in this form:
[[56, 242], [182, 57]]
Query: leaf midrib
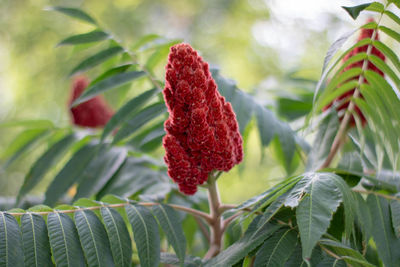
[[118, 234], [34, 239], [93, 238], [169, 223], [64, 237], [147, 235]]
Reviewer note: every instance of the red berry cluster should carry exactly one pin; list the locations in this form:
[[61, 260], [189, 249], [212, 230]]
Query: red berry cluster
[[343, 100], [93, 113], [202, 131]]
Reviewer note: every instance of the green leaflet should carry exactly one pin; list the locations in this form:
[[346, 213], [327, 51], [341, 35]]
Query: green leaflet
[[146, 235], [64, 241], [35, 241], [11, 253], [93, 239], [90, 37]]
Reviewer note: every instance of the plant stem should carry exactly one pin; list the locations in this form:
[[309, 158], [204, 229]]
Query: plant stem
[[344, 125], [216, 220]]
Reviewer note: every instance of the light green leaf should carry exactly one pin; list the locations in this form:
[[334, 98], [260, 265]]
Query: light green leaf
[[74, 13], [138, 120], [126, 111], [277, 249], [100, 170], [90, 37], [64, 241], [93, 238], [386, 242], [118, 235], [28, 124], [146, 235], [169, 222], [391, 33], [35, 241], [70, 173], [96, 59], [376, 7], [44, 163], [11, 253]]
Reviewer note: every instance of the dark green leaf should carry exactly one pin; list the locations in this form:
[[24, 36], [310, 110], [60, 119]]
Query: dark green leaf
[[146, 235], [126, 111], [395, 212], [118, 236], [169, 222], [36, 241], [190, 261], [138, 120], [11, 254], [90, 37], [70, 173], [44, 163], [386, 242], [64, 241], [277, 249], [100, 170], [93, 239], [96, 59], [111, 72], [354, 11], [75, 13]]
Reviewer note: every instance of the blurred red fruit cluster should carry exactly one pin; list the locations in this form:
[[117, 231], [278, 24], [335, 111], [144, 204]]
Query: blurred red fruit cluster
[[343, 100], [94, 113], [202, 130]]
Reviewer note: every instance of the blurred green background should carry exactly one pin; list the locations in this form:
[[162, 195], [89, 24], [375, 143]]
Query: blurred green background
[[255, 42]]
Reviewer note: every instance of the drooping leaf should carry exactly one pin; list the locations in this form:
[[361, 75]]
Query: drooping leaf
[[138, 120], [100, 170], [11, 253], [169, 222], [277, 249], [64, 241], [96, 59], [386, 242], [107, 84], [395, 212], [70, 173], [118, 235], [146, 235], [93, 239], [354, 11], [90, 37], [126, 111], [44, 163], [35, 241], [74, 13]]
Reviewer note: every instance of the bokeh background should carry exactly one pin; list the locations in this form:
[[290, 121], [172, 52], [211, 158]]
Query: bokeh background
[[258, 43]]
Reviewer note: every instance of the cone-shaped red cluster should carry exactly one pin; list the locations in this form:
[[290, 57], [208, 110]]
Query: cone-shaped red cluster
[[344, 99], [94, 113], [202, 131]]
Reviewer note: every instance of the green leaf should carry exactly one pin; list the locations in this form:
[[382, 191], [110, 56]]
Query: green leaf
[[11, 254], [393, 16], [90, 37], [376, 7], [354, 11], [277, 249], [389, 53], [96, 59], [44, 163], [64, 241], [35, 241], [22, 143], [146, 235], [138, 120], [118, 235], [93, 239], [395, 212], [100, 170], [171, 259], [322, 144], [111, 72], [316, 209], [28, 124], [395, 35], [70, 173], [257, 232], [107, 84], [386, 242], [170, 223], [126, 111], [74, 13]]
